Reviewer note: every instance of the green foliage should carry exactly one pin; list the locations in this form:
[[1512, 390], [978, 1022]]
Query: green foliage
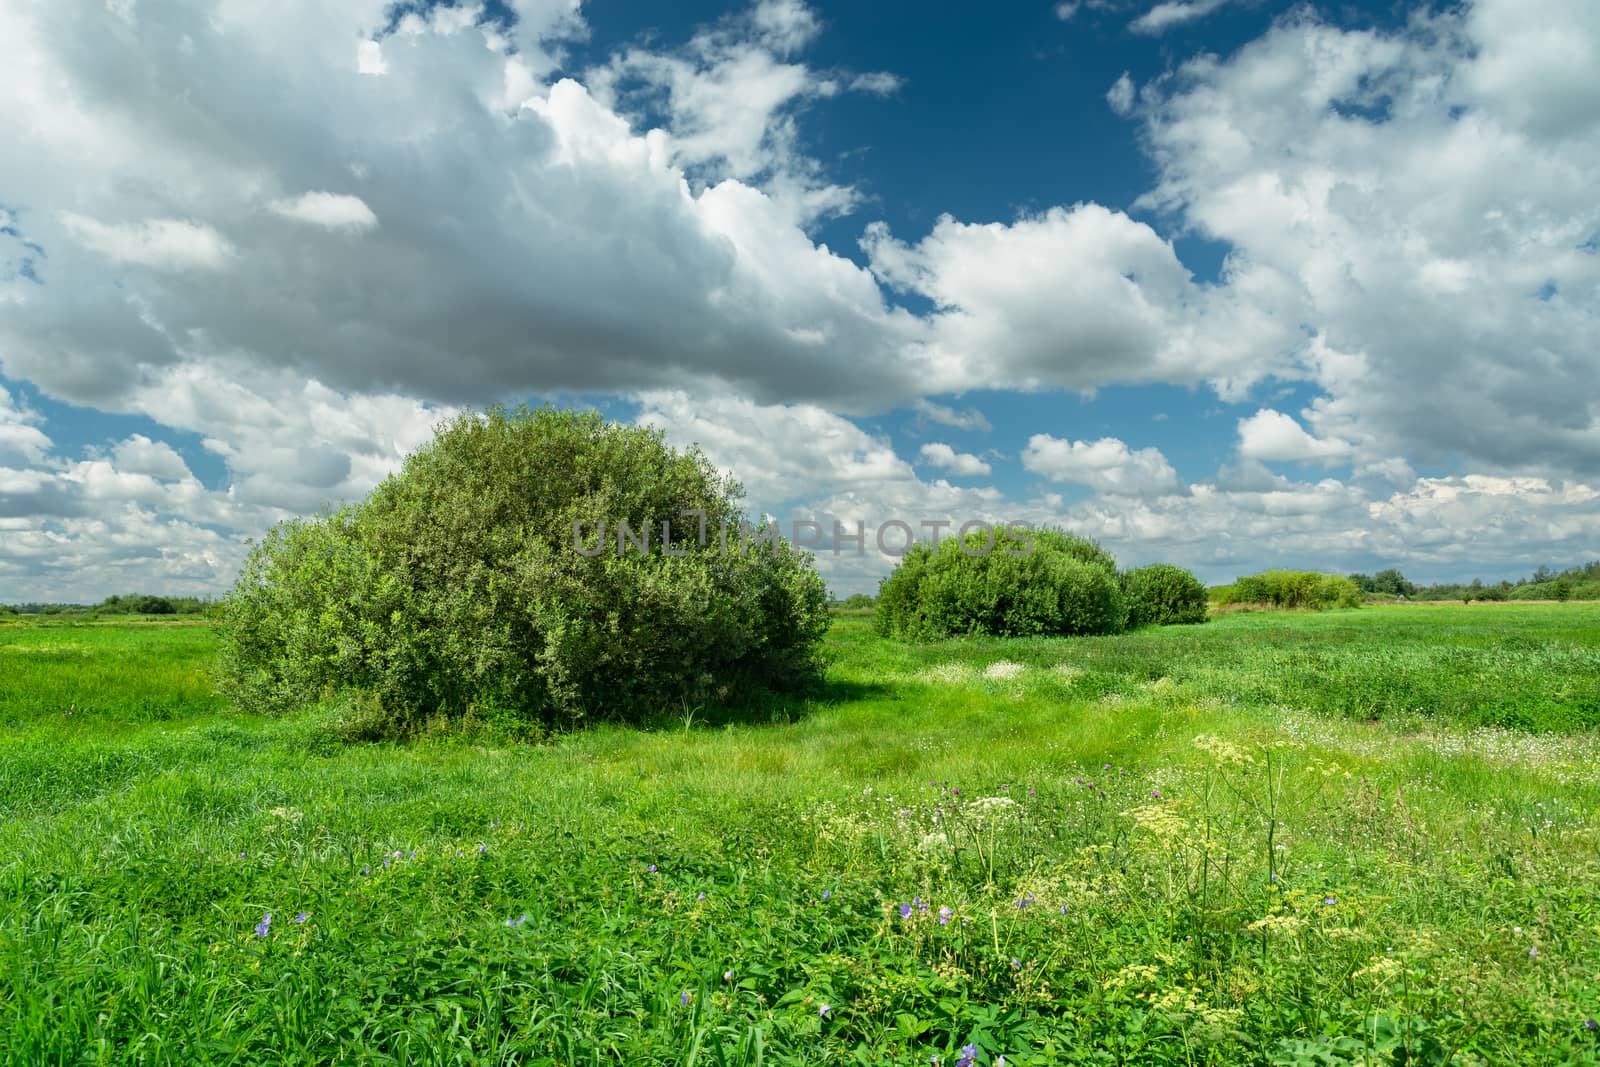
[[456, 587], [1021, 584], [857, 602], [1163, 595], [1293, 590], [667, 897]]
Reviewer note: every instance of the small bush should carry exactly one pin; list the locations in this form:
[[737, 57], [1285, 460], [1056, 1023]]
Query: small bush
[[1030, 583], [456, 589], [1163, 595]]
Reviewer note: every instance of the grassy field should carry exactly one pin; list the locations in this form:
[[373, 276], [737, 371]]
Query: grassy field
[[1364, 837]]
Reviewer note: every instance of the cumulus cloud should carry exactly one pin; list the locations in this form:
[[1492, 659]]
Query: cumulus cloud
[[1447, 319], [21, 440], [946, 458], [1271, 435], [1074, 297], [1108, 466], [138, 454], [334, 211]]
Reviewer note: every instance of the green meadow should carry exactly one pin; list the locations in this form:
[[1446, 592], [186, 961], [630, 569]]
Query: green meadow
[[1348, 837]]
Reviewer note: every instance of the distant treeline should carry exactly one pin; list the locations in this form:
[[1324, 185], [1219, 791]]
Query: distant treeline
[[1574, 583], [123, 604]]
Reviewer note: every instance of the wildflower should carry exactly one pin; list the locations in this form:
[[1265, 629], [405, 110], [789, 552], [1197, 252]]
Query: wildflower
[[301, 918], [702, 896], [727, 976], [264, 925], [518, 921], [822, 1012], [683, 998], [905, 911], [955, 792], [1590, 1024], [411, 855], [241, 855], [650, 869], [1063, 909], [969, 1055], [1330, 900], [1156, 793], [826, 893], [366, 869], [396, 853], [1016, 964], [944, 916], [1532, 952], [482, 849]]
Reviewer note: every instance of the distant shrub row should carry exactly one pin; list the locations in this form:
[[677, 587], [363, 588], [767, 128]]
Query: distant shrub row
[[1029, 583], [1305, 590]]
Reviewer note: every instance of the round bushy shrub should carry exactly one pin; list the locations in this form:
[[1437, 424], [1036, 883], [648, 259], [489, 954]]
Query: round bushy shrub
[[1030, 583], [1163, 595], [459, 584]]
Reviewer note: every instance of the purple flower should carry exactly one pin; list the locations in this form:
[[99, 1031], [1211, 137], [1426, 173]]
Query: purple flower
[[264, 925], [969, 1056], [482, 849], [411, 855], [955, 792], [1063, 909], [1016, 964], [1105, 767], [1156, 793], [1330, 900], [1031, 793], [683, 998], [727, 976], [1590, 1024], [366, 869], [944, 916], [826, 893], [396, 854], [301, 918], [702, 896], [1078, 780], [822, 1012], [650, 869], [1532, 952], [905, 911]]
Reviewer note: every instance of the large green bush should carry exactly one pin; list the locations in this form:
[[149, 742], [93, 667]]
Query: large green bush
[[457, 585], [1163, 595], [1034, 583], [1293, 589]]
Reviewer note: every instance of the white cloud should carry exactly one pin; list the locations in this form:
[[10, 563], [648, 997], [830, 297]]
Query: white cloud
[[1075, 298], [139, 454], [1106, 466], [1172, 13], [1120, 95], [946, 458], [21, 440], [334, 211], [161, 244], [1271, 435], [968, 419], [1447, 318]]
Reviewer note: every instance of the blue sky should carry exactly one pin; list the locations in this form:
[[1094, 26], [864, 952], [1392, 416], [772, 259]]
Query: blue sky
[[1230, 283]]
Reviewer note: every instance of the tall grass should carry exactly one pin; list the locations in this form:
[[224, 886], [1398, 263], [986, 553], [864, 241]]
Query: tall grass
[[1165, 847]]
